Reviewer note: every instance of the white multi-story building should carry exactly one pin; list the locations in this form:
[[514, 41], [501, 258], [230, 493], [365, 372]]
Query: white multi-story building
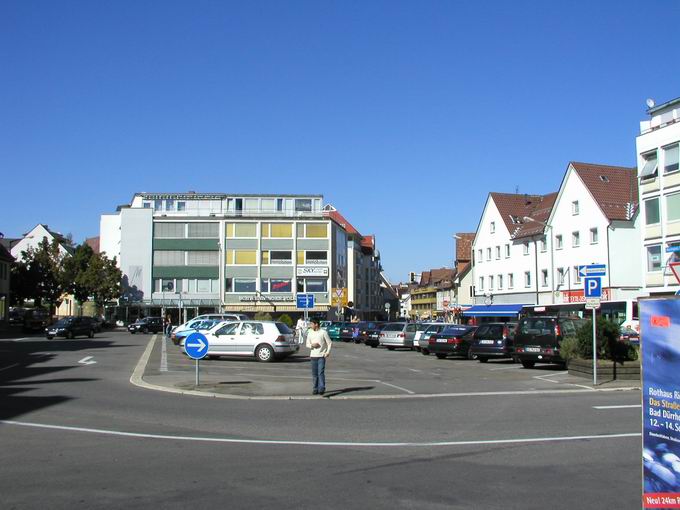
[[658, 157], [528, 248]]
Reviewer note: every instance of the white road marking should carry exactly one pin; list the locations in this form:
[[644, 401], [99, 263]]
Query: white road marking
[[10, 366], [87, 361], [318, 443], [514, 367], [398, 387], [632, 406], [544, 377], [414, 370], [20, 339], [164, 354]]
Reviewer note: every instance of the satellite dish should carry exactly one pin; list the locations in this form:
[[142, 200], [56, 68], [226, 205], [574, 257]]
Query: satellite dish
[[650, 103]]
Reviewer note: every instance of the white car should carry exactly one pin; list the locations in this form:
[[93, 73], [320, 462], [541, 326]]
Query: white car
[[265, 340]]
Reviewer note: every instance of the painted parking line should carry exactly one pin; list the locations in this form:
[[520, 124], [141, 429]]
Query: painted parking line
[[164, 353], [514, 367], [319, 443], [545, 377], [632, 406], [10, 366], [397, 387]]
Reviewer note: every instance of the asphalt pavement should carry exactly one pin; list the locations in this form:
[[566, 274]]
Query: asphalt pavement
[[401, 431]]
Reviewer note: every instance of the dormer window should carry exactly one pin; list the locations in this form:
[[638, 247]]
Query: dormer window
[[604, 178], [650, 168]]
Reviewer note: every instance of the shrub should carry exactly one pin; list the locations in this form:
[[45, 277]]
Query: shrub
[[608, 345], [263, 316], [285, 318], [569, 348]]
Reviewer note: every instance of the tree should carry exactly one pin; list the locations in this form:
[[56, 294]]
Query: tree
[[38, 275], [101, 279], [74, 269]]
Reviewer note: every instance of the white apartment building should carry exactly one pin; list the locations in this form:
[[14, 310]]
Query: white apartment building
[[528, 247], [658, 158]]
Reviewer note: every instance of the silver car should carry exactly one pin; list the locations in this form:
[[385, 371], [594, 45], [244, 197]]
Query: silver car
[[424, 339], [421, 327], [398, 334], [264, 340]]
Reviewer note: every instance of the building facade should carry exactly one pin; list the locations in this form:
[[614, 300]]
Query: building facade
[[6, 260], [246, 253], [658, 157]]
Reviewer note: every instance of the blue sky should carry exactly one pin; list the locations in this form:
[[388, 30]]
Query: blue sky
[[404, 115]]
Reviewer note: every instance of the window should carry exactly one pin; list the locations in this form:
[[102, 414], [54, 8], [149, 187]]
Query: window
[[527, 278], [577, 275], [488, 254], [203, 285], [203, 258], [481, 283], [574, 208], [673, 207], [671, 158], [316, 285], [511, 280], [314, 230], [277, 257], [229, 329], [544, 245], [492, 227], [594, 237], [560, 276], [252, 328], [544, 277], [500, 282], [654, 257], [576, 239], [652, 216], [303, 205], [275, 285], [479, 256], [558, 242], [490, 282], [204, 230], [158, 205], [168, 258], [314, 257], [169, 205], [147, 205], [169, 230], [650, 167], [526, 248], [507, 251], [498, 252], [277, 230], [279, 204], [163, 285], [244, 257], [243, 284], [241, 230]]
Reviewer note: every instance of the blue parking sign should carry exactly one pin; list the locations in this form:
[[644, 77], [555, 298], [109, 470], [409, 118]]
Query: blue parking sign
[[196, 346], [592, 287]]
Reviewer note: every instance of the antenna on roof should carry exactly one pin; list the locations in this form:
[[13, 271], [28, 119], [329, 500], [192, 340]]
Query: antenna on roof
[[650, 103], [516, 190]]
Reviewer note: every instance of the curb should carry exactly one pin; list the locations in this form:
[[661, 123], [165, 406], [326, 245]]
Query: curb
[[138, 380]]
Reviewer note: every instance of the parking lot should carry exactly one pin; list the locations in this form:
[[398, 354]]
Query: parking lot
[[356, 371]]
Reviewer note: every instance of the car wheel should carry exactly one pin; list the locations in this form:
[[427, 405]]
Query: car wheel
[[132, 332], [70, 335], [424, 352], [482, 360], [264, 353], [441, 356], [470, 355], [50, 337], [373, 346], [390, 348], [528, 363], [91, 334]]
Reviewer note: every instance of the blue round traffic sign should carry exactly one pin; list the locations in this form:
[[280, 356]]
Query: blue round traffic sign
[[196, 346]]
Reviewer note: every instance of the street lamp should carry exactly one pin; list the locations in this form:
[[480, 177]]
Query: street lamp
[[552, 260]]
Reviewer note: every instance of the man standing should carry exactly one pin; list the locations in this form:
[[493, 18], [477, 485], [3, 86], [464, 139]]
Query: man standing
[[300, 329], [320, 344]]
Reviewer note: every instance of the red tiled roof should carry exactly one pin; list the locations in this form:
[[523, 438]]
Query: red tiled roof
[[614, 188], [368, 242], [464, 245], [436, 276], [514, 207], [340, 220]]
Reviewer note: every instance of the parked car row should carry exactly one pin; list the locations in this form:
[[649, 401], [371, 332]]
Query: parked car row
[[531, 340]]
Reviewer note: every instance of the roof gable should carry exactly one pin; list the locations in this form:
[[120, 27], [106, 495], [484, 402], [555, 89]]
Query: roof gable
[[614, 188], [514, 207]]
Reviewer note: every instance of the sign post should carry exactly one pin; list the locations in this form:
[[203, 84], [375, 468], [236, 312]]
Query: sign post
[[196, 347], [592, 292]]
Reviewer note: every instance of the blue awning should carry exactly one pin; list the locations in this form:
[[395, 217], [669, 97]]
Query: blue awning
[[493, 310]]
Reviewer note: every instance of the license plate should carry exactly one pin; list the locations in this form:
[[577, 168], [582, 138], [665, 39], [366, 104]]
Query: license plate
[[486, 342], [532, 349], [441, 340]]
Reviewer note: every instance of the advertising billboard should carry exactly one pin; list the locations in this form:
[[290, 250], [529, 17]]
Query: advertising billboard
[[660, 352]]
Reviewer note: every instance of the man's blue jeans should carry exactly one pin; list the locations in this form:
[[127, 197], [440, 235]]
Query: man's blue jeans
[[319, 374]]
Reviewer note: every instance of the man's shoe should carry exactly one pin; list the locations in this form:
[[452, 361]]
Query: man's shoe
[[322, 392], [315, 392]]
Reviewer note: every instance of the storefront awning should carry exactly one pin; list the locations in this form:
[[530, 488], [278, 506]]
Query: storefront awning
[[493, 311]]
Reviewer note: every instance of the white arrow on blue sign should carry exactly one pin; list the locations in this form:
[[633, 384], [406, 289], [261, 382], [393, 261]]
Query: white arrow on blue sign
[[305, 301], [592, 270], [196, 346]]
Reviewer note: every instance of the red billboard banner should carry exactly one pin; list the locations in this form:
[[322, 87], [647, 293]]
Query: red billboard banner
[[576, 296]]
